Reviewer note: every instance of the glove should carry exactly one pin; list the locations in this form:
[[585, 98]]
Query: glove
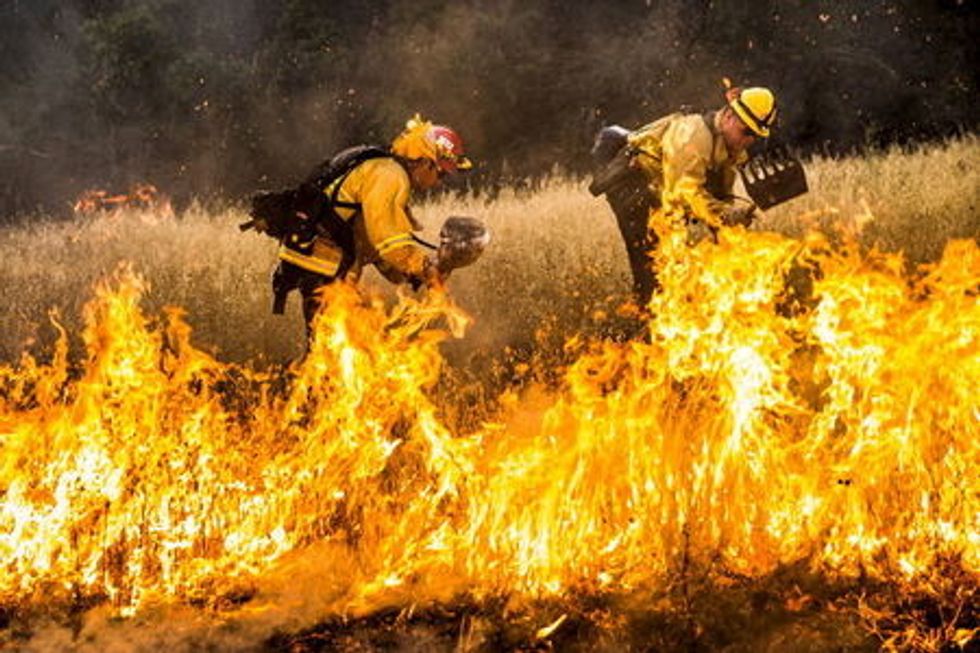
[[739, 215], [431, 277], [698, 230]]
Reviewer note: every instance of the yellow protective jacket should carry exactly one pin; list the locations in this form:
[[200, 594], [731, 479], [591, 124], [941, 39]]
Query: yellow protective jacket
[[382, 227], [688, 164]]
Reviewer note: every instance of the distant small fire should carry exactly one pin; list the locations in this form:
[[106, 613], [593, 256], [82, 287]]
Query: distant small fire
[[141, 197]]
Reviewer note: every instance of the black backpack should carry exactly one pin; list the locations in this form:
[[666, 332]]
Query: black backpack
[[300, 214]]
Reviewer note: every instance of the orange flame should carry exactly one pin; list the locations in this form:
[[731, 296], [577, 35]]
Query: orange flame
[[142, 197], [746, 432]]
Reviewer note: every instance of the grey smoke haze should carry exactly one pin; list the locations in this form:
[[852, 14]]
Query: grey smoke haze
[[218, 97]]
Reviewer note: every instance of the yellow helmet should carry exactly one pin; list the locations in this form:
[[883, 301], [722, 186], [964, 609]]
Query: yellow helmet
[[423, 140], [756, 107]]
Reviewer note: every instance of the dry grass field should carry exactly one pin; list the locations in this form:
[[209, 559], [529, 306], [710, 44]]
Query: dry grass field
[[556, 269], [556, 263]]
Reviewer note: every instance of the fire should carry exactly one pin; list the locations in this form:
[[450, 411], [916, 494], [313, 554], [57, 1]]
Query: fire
[[754, 427], [143, 198]]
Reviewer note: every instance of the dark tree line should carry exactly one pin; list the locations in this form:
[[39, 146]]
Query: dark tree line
[[214, 98]]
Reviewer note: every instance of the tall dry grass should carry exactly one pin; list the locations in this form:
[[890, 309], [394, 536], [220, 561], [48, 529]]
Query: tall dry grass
[[906, 200], [556, 264]]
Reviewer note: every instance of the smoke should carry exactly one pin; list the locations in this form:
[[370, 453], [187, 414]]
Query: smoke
[[216, 98]]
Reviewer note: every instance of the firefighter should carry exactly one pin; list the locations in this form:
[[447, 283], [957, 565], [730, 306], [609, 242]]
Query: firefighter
[[681, 166], [356, 206]]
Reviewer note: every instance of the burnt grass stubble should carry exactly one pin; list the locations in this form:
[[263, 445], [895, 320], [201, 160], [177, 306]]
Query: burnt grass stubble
[[790, 609]]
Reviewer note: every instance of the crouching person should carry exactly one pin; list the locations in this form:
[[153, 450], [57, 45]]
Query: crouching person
[[681, 165], [354, 211]]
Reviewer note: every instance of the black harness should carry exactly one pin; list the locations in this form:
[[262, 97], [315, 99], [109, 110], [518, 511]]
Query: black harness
[[297, 216], [714, 181], [322, 210]]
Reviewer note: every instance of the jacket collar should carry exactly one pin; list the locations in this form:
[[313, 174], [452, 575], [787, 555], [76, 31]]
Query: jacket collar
[[719, 149]]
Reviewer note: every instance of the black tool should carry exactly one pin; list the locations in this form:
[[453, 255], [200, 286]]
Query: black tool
[[773, 177]]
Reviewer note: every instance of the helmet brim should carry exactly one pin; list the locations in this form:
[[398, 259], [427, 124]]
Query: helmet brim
[[457, 164], [748, 120]]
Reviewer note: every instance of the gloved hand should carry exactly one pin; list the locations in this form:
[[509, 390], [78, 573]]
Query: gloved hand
[[698, 230], [431, 278], [739, 215], [434, 278]]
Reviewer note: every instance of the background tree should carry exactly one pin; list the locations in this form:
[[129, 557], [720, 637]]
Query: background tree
[[218, 97]]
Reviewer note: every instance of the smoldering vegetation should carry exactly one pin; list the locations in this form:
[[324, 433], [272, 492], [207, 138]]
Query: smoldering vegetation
[[215, 99]]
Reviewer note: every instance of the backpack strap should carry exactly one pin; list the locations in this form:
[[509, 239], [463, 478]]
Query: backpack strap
[[714, 182], [334, 173], [709, 120], [340, 166]]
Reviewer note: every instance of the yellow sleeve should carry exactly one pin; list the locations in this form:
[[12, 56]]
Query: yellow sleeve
[[385, 191], [687, 149], [645, 138], [646, 144]]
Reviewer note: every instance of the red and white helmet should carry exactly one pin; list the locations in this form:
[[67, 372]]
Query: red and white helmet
[[449, 149], [423, 140]]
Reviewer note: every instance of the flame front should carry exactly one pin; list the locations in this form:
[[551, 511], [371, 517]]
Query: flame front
[[753, 427]]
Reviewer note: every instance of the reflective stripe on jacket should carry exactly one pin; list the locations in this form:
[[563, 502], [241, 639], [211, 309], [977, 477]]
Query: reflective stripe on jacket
[[319, 255]]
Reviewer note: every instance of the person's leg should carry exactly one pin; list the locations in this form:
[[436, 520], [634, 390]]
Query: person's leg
[[631, 203], [309, 287], [285, 279]]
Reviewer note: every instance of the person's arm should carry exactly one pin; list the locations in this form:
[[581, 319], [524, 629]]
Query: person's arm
[[687, 151], [738, 211], [645, 150], [384, 199]]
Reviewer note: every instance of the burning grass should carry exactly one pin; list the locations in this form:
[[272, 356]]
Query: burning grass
[[750, 475], [556, 267]]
